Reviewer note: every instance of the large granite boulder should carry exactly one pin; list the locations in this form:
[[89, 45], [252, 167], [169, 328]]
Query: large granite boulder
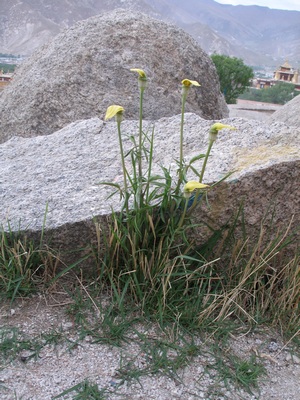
[[86, 68], [289, 113], [61, 171]]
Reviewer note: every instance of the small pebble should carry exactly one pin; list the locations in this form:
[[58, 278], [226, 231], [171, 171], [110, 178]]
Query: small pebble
[[292, 358], [273, 346]]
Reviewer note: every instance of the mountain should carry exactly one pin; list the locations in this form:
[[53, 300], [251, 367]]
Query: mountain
[[258, 35]]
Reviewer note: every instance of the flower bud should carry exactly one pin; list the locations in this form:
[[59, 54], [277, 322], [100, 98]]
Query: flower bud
[[114, 111], [215, 128]]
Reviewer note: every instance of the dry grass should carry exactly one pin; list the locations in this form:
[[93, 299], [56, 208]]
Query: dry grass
[[259, 283]]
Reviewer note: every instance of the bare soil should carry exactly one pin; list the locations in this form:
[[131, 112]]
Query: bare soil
[[58, 367], [257, 110]]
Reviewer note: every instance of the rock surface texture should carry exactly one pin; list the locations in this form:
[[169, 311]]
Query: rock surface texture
[[63, 170], [86, 68], [289, 113]]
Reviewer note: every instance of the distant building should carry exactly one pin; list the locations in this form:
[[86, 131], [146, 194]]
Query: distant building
[[285, 73], [5, 78]]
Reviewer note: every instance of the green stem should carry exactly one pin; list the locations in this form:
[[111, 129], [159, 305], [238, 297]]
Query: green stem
[[211, 142], [181, 130], [180, 178], [150, 165], [140, 167], [140, 135], [195, 202], [180, 223], [122, 156]]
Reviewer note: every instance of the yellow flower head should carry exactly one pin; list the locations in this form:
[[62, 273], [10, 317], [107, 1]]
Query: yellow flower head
[[140, 72], [113, 111], [215, 128], [188, 83], [190, 186]]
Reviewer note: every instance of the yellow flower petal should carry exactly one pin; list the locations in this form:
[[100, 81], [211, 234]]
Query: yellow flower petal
[[215, 128], [192, 185], [188, 83], [139, 71], [112, 111]]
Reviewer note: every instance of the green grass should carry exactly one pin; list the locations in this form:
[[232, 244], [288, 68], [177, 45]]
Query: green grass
[[243, 373], [24, 265], [252, 282], [248, 285], [15, 344], [84, 390]]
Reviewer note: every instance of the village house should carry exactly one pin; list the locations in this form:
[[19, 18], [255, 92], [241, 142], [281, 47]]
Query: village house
[[5, 78], [285, 73]]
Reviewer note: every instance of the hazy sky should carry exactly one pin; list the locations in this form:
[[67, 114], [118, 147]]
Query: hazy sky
[[279, 4]]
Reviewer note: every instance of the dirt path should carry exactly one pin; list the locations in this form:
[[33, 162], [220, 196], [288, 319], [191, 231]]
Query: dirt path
[[252, 109]]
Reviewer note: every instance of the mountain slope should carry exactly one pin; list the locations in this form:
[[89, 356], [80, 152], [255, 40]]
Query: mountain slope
[[253, 33], [259, 35]]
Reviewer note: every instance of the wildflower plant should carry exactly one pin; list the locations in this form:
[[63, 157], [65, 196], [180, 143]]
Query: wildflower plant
[[148, 250]]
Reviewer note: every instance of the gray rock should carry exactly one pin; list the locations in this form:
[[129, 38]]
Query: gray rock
[[86, 68], [63, 170], [288, 113], [292, 358]]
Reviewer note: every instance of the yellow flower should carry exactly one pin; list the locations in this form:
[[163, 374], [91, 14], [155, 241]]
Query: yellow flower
[[113, 111], [140, 72], [188, 83], [215, 128], [190, 186]]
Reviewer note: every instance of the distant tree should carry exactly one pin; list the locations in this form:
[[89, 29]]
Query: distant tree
[[252, 94], [7, 67], [234, 76], [280, 93]]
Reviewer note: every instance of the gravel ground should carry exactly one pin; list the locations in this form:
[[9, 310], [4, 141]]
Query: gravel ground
[[66, 364]]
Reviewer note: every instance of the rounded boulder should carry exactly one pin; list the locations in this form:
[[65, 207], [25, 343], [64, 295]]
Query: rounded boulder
[[86, 68]]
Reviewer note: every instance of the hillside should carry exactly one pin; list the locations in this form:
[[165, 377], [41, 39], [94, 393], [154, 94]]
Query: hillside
[[258, 35]]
